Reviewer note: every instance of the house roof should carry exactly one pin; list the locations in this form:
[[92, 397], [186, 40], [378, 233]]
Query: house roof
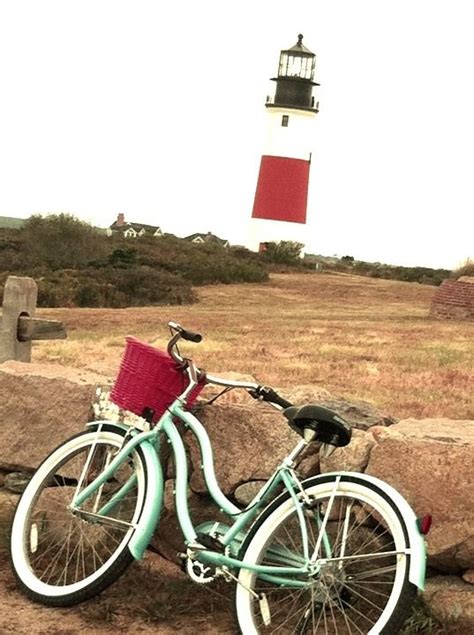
[[136, 226], [8, 222], [207, 238]]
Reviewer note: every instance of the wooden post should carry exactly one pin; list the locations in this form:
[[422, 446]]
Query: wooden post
[[39, 329], [19, 298], [18, 326]]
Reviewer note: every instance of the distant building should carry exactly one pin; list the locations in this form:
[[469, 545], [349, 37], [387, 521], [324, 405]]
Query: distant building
[[207, 238], [8, 222], [132, 230]]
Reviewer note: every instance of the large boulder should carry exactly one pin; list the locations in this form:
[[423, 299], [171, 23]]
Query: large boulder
[[249, 438], [245, 493], [359, 414], [234, 396], [350, 458], [431, 463], [451, 602], [8, 502], [304, 393], [298, 395], [40, 406], [248, 442]]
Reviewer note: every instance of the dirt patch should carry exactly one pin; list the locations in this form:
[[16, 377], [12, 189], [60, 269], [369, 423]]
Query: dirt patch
[[153, 596]]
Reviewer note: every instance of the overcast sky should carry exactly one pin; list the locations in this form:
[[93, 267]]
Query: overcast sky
[[157, 110]]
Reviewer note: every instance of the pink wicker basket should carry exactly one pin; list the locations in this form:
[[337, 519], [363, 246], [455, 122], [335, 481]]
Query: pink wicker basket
[[148, 381]]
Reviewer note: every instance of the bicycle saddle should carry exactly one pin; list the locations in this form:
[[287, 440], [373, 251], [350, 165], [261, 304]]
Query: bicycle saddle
[[329, 426]]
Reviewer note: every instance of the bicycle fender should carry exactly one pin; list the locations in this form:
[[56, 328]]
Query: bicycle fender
[[152, 505], [111, 424], [417, 571], [153, 502]]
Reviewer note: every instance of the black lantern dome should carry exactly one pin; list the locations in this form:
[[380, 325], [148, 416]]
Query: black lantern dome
[[295, 79]]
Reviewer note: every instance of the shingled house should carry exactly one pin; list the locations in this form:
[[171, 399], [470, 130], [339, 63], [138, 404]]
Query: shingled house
[[132, 230], [207, 238]]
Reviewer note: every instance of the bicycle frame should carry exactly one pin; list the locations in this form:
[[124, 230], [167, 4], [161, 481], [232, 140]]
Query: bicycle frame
[[230, 536], [336, 548]]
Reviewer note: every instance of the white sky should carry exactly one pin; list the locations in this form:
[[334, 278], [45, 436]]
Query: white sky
[[157, 110]]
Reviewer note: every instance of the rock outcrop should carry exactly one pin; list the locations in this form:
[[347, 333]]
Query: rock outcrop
[[359, 414], [351, 458], [431, 462], [248, 442], [451, 602], [40, 406]]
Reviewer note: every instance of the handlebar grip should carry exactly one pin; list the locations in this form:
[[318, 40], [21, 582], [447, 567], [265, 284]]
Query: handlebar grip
[[268, 394], [186, 335], [191, 337]]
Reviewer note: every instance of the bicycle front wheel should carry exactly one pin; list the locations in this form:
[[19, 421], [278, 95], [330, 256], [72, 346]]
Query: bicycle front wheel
[[62, 556], [361, 584]]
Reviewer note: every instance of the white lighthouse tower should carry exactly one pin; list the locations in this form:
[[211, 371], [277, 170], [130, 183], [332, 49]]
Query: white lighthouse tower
[[279, 210]]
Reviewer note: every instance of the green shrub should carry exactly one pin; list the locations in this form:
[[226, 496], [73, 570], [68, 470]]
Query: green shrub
[[423, 275], [58, 289], [467, 269], [199, 264], [123, 257], [88, 294], [77, 265], [60, 241], [285, 252], [113, 287]]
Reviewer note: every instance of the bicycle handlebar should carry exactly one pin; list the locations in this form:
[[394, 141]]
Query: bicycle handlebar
[[264, 393], [190, 336], [268, 394], [180, 332]]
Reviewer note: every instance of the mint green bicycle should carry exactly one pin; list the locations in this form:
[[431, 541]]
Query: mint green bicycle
[[336, 553]]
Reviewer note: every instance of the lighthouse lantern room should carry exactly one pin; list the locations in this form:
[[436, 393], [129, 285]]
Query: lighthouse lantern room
[[279, 211]]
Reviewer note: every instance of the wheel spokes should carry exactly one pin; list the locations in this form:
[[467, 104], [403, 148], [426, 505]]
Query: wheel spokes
[[353, 585]]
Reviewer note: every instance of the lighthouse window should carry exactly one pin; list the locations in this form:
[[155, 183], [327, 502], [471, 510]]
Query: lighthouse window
[[284, 120]]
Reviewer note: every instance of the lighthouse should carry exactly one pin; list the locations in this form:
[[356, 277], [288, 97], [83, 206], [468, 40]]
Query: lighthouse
[[279, 210]]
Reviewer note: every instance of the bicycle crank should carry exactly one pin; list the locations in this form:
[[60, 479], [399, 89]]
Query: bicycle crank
[[199, 572]]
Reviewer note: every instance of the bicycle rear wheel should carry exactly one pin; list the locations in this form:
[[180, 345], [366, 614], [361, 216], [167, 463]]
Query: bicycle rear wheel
[[61, 557], [367, 592]]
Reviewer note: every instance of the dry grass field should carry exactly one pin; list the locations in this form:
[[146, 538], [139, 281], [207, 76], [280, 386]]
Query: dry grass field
[[359, 338]]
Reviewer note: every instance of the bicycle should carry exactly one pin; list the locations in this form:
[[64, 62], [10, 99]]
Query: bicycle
[[336, 553]]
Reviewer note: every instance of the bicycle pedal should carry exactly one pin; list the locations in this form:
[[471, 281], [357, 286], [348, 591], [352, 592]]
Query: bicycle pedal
[[264, 609]]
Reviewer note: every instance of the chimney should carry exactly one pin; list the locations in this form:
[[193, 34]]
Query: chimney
[[120, 220]]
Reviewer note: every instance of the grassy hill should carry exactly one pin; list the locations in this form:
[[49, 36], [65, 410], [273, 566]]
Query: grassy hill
[[76, 264]]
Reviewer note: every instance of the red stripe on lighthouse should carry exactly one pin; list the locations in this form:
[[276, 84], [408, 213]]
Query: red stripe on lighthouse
[[282, 189]]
